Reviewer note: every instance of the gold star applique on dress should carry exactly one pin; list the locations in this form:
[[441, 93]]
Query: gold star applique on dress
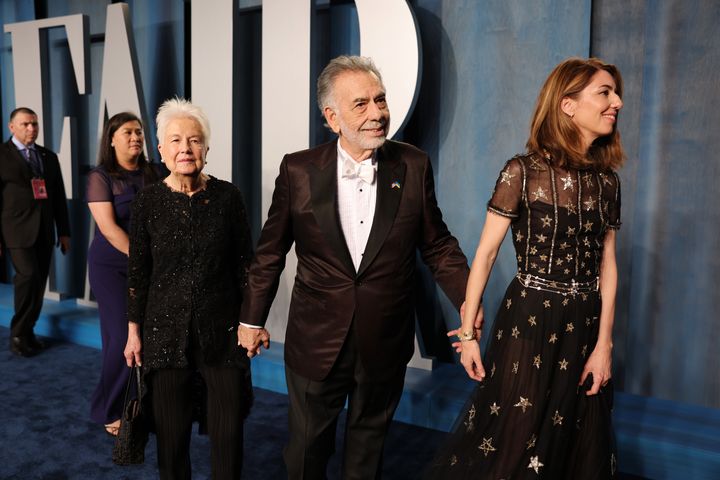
[[515, 332], [589, 204], [571, 208], [557, 419], [506, 176], [570, 231], [495, 409], [531, 443], [564, 245], [535, 164], [553, 338], [568, 257], [588, 226], [584, 351], [588, 321], [487, 446], [519, 236], [537, 361], [546, 303], [499, 334], [523, 293], [540, 193], [492, 371], [541, 238], [524, 403], [563, 364], [469, 424], [568, 183], [565, 302], [569, 327], [508, 302], [531, 320], [543, 258], [546, 220], [453, 460], [516, 365], [588, 180], [535, 464], [533, 250]]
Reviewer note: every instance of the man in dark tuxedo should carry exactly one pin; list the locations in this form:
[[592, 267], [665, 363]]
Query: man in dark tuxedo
[[33, 204], [357, 209]]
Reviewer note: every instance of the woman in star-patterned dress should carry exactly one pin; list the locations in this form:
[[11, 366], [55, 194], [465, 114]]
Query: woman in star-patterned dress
[[542, 407]]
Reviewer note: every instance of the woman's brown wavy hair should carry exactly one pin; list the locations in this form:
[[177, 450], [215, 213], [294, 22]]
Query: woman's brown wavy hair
[[553, 132]]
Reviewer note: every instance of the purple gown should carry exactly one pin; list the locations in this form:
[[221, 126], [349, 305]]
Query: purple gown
[[107, 269]]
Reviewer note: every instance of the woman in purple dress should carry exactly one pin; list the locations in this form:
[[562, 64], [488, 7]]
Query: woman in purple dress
[[122, 171]]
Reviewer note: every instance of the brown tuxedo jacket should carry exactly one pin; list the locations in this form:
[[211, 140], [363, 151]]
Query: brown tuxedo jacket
[[329, 295]]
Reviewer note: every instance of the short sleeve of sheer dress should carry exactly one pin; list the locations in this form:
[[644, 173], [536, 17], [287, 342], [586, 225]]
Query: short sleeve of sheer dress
[[611, 194], [99, 187], [507, 195]]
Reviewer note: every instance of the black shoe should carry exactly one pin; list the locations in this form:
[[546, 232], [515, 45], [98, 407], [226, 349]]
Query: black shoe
[[35, 343], [20, 346]]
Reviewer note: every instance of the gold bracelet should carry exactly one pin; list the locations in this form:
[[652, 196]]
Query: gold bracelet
[[467, 336]]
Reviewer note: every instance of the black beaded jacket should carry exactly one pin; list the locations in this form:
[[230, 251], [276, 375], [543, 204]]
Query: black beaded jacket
[[188, 265]]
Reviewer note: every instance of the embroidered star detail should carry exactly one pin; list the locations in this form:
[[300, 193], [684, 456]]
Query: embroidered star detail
[[568, 183], [571, 208], [506, 176], [516, 365], [570, 231], [588, 180], [588, 226], [519, 236], [531, 320], [524, 403], [499, 334], [553, 338], [586, 242], [569, 256], [487, 446], [537, 361], [563, 364], [565, 302], [535, 464], [543, 258], [569, 327], [589, 204], [540, 193], [546, 220], [557, 419], [533, 250], [495, 409], [566, 271], [584, 351], [559, 262], [588, 321], [515, 332], [546, 303], [492, 371], [531, 442], [541, 238], [523, 293], [535, 164], [508, 302], [565, 245]]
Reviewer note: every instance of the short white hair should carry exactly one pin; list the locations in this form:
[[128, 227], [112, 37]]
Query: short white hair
[[177, 107]]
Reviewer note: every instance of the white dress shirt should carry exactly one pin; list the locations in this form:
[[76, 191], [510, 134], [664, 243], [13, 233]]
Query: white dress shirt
[[356, 201]]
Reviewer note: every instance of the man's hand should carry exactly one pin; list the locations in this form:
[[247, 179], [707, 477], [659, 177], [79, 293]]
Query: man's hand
[[64, 243], [252, 339]]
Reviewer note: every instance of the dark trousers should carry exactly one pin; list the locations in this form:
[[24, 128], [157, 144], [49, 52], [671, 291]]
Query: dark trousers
[[172, 405], [31, 272], [314, 410]]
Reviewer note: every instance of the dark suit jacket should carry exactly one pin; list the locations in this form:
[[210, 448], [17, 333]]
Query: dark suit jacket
[[328, 294], [22, 218]]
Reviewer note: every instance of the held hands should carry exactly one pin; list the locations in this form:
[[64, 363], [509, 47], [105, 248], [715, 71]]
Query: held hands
[[599, 364], [252, 339], [477, 327], [469, 350]]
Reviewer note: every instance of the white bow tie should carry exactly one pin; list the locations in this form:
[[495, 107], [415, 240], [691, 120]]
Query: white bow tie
[[365, 172]]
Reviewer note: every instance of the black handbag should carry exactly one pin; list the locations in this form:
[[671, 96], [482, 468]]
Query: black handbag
[[129, 448]]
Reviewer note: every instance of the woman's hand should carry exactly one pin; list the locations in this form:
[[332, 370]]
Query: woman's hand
[[600, 365], [471, 360], [477, 327], [133, 349]]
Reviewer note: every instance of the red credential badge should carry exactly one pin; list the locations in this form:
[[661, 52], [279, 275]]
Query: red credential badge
[[39, 190]]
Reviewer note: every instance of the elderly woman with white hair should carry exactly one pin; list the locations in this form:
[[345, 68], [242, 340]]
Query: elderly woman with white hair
[[190, 247]]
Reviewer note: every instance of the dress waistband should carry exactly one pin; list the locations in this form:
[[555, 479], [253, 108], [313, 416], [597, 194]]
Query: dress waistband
[[553, 286]]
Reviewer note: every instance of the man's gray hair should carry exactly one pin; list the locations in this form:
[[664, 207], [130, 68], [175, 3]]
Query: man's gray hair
[[177, 107], [336, 67]]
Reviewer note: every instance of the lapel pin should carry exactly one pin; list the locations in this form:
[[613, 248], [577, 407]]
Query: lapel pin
[[395, 184]]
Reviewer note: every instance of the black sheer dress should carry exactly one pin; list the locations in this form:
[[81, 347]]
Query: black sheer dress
[[529, 419]]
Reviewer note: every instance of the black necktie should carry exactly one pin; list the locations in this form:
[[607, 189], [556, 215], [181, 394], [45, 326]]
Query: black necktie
[[34, 162]]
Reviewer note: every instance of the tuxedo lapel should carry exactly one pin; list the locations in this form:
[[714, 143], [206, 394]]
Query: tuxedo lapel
[[322, 172], [17, 157], [390, 178]]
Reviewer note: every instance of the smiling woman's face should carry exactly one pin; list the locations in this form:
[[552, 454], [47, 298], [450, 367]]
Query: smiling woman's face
[[183, 149]]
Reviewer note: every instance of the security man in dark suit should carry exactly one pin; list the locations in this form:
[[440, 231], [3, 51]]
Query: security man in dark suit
[[32, 206]]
